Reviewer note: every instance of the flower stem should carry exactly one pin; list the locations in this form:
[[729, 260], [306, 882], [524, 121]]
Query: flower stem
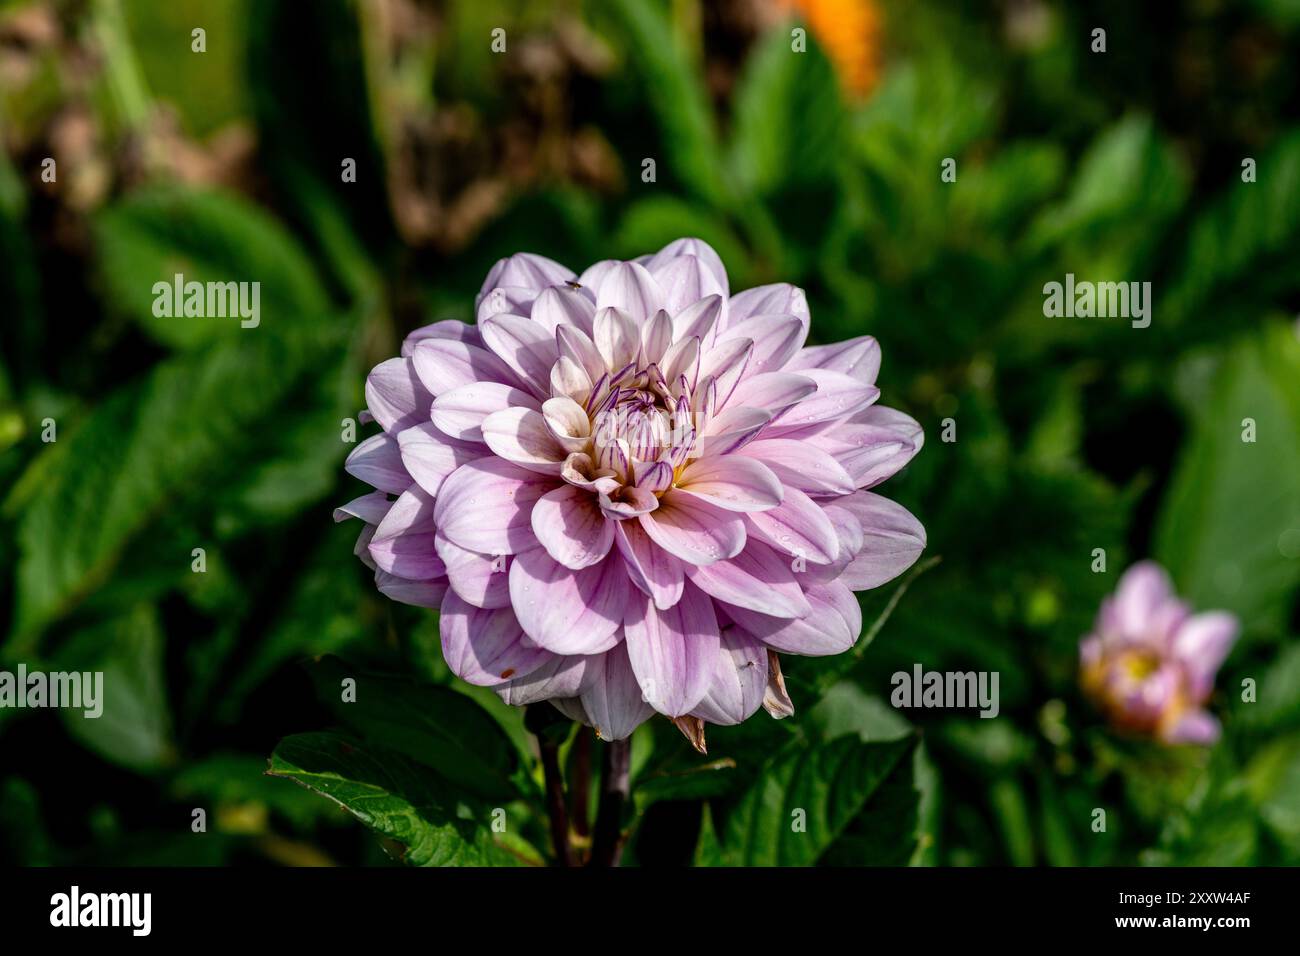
[[556, 808], [580, 791], [607, 845]]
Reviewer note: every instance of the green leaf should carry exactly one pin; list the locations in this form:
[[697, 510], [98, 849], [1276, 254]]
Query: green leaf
[[808, 795], [393, 796], [154, 235], [150, 450], [134, 727], [1240, 250], [676, 94], [789, 118], [1223, 526], [436, 726]]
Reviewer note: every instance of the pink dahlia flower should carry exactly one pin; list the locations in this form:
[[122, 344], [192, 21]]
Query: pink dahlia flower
[[1150, 662], [628, 491]]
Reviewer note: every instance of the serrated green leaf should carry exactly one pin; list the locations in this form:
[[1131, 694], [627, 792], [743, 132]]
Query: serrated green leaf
[[436, 726], [155, 446], [397, 799], [806, 797]]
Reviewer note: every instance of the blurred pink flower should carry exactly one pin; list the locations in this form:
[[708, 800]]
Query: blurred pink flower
[[1150, 663], [627, 490]]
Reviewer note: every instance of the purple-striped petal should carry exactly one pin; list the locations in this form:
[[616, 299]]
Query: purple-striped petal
[[396, 396], [430, 456], [378, 462], [567, 611], [732, 482], [694, 530], [857, 358], [460, 411], [757, 578], [520, 435], [485, 506], [649, 567], [892, 540], [526, 347], [672, 651], [832, 627], [444, 364], [486, 647], [571, 527]]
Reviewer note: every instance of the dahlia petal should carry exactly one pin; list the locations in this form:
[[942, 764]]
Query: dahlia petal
[[612, 700], [726, 362], [528, 348], [574, 344], [632, 503], [732, 482], [771, 391], [837, 397], [570, 380], [780, 298], [892, 540], [569, 524], [362, 547], [460, 411], [1193, 727], [858, 358], [370, 508], [567, 422], [731, 431], [684, 280], [447, 329], [776, 339], [698, 248], [482, 580], [682, 360], [484, 506], [740, 676], [403, 541], [563, 305], [430, 456], [832, 627], [700, 320], [798, 527], [525, 269], [395, 395], [1201, 644], [672, 651], [757, 578], [444, 364], [1142, 591], [617, 338], [650, 568], [629, 288], [567, 611], [559, 677], [428, 594], [595, 273], [693, 530], [514, 300], [656, 337], [486, 647], [869, 453], [520, 435], [800, 464], [378, 462]]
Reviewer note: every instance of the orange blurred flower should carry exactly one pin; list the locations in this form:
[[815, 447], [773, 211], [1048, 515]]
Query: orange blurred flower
[[850, 31]]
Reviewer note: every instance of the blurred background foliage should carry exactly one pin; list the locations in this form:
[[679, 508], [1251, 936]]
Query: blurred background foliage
[[821, 169]]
